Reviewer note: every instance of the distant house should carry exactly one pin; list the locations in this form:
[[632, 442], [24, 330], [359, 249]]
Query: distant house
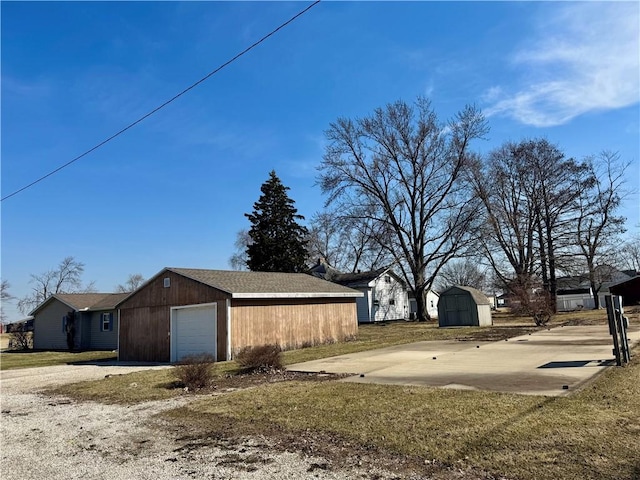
[[575, 292], [385, 295], [464, 306], [185, 311], [95, 321]]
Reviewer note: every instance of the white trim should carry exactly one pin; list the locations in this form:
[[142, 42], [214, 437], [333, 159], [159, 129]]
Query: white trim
[[172, 337], [228, 329], [298, 295]]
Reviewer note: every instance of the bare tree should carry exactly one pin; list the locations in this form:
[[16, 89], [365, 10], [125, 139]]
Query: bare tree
[[132, 283], [507, 237], [400, 169], [630, 254], [465, 272], [557, 183], [238, 261], [529, 190], [66, 278], [345, 243], [5, 297], [597, 226]]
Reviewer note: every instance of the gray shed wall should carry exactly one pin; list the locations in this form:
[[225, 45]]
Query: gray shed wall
[[457, 307]]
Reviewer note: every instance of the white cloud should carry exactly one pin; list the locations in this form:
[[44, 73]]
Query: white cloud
[[585, 58]]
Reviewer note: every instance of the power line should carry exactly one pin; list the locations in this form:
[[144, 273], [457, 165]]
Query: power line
[[175, 97]]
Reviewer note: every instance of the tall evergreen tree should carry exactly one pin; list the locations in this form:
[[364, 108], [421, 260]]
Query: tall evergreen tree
[[278, 240]]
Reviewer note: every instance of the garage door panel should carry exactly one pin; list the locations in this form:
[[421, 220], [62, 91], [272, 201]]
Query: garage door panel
[[193, 331]]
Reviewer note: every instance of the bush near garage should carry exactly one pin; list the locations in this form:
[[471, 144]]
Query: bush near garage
[[262, 358], [194, 371]]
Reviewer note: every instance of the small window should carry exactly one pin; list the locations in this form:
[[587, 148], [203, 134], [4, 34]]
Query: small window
[[392, 301], [105, 322], [64, 324], [387, 279], [167, 282]]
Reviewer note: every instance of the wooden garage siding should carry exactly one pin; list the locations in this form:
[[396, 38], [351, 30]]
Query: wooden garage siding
[[144, 317], [291, 323]]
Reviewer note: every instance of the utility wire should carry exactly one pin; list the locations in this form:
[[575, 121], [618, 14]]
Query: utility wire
[[175, 97]]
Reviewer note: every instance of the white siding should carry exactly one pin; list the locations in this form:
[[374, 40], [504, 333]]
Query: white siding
[[565, 303], [393, 302], [432, 304]]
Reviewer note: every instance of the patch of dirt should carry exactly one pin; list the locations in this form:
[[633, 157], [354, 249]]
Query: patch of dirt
[[338, 453]]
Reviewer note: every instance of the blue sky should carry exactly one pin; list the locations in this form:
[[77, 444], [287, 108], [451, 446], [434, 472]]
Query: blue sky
[[173, 190]]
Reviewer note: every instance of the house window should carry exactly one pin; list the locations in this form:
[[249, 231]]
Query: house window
[[167, 282], [64, 324], [392, 301], [387, 279], [106, 320]]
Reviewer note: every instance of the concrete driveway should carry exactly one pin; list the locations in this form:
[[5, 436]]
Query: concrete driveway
[[551, 362]]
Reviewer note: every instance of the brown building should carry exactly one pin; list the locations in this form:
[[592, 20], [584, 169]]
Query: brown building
[[183, 311]]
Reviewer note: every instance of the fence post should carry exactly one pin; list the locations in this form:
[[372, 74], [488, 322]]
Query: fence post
[[613, 328]]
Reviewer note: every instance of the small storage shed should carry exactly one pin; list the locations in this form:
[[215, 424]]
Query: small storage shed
[[183, 311], [464, 306]]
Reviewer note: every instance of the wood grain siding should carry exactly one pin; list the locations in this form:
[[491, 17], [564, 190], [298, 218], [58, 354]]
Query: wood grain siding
[[144, 317], [291, 323]]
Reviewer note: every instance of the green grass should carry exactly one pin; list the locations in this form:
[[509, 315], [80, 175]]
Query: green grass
[[30, 359]]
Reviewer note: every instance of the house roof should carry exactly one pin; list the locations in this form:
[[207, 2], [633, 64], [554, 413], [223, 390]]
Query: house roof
[[358, 279], [478, 297], [242, 284], [85, 301]]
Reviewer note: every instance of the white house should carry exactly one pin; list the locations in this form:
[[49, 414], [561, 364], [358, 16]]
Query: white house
[[431, 304], [385, 293]]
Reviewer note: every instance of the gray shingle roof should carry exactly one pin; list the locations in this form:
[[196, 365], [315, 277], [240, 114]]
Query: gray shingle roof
[[266, 284], [479, 297], [86, 301]]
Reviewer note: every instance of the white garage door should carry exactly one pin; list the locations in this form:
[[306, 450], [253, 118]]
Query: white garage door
[[193, 330]]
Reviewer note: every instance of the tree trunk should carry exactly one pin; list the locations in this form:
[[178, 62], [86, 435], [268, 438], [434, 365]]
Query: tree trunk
[[422, 314]]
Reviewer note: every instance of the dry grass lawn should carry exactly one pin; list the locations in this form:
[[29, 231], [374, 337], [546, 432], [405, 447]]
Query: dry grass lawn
[[592, 434], [30, 359]]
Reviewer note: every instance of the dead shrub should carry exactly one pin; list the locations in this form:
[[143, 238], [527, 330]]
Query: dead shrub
[[20, 339], [194, 371], [262, 358]]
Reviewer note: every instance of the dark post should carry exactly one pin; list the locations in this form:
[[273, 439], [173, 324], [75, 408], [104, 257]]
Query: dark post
[[613, 328]]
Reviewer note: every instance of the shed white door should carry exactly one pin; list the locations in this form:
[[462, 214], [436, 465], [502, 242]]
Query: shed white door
[[193, 330]]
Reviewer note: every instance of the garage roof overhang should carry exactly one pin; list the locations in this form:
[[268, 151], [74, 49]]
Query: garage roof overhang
[[298, 295]]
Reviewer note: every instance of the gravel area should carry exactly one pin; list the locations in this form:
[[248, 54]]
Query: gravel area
[[52, 438]]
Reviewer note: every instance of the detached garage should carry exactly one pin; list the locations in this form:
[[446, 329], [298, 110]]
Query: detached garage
[[183, 311], [464, 306]]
